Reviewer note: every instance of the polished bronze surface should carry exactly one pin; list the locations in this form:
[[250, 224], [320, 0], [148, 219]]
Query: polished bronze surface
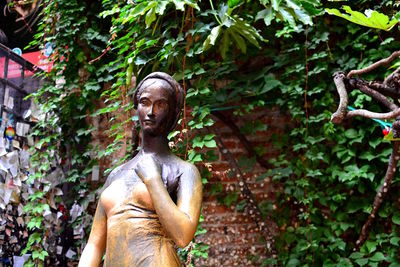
[[151, 203]]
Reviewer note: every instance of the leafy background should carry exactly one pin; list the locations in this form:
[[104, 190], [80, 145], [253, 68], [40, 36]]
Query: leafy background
[[236, 56]]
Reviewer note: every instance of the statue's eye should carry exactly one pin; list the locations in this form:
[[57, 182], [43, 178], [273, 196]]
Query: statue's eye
[[144, 102], [162, 105]]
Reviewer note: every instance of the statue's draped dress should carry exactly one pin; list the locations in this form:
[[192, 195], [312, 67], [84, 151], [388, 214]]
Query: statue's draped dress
[[135, 236]]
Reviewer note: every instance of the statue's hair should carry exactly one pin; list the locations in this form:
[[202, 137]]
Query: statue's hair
[[174, 89]]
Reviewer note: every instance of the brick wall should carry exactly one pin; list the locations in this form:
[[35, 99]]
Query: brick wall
[[233, 237]]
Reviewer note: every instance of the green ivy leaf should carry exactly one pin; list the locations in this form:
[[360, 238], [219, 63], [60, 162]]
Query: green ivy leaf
[[293, 262], [210, 144], [230, 198], [371, 246], [194, 157], [172, 134], [396, 218], [395, 241], [356, 255], [43, 254], [351, 134], [139, 10], [362, 262], [378, 256], [35, 254]]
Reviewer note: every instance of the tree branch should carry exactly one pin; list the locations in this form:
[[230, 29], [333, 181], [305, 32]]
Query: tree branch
[[382, 192], [389, 78], [384, 89], [340, 114], [379, 92], [377, 96], [373, 115], [375, 65]]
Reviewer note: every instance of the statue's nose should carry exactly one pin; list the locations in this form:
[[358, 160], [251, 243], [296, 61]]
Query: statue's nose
[[150, 111]]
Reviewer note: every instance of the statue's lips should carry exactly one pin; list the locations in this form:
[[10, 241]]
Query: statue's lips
[[151, 122]]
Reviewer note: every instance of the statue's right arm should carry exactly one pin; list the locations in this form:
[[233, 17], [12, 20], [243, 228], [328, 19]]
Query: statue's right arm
[[94, 250]]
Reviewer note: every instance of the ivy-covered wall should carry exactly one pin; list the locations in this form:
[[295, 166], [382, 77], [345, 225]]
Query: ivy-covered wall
[[233, 58], [233, 237]]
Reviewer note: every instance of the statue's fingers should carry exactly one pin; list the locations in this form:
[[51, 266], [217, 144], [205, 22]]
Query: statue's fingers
[[138, 171]]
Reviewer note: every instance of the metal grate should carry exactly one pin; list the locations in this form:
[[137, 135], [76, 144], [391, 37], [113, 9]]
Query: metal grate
[[17, 81]]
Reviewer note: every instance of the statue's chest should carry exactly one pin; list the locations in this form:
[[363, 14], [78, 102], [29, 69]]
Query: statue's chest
[[122, 193], [128, 189]]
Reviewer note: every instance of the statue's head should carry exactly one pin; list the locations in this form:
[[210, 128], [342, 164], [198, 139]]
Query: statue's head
[[159, 100]]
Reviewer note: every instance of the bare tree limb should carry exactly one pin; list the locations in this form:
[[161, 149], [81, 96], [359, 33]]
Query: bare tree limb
[[340, 114], [379, 92], [377, 64], [377, 96], [391, 76], [382, 192], [373, 115], [384, 89]]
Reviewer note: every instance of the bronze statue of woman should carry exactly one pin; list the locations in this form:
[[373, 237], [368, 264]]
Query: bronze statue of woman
[[152, 202]]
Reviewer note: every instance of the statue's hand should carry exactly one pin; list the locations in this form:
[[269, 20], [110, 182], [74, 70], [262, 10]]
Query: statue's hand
[[148, 169]]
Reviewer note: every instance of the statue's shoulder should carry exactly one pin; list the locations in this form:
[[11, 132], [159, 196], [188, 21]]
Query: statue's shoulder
[[188, 170], [114, 175]]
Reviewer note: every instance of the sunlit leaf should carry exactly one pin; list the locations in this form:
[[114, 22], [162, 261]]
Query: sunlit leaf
[[233, 3], [239, 41], [225, 44], [372, 19], [293, 4], [247, 31], [303, 16], [275, 4], [210, 41], [161, 6], [267, 15], [286, 15], [139, 10], [150, 17], [180, 5]]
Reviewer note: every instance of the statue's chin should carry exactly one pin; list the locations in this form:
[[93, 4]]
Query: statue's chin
[[153, 132]]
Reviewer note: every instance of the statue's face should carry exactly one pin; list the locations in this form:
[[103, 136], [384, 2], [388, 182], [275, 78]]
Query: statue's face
[[153, 108]]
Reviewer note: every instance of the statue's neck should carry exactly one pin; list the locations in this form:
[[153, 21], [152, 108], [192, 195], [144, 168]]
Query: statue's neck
[[157, 145]]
